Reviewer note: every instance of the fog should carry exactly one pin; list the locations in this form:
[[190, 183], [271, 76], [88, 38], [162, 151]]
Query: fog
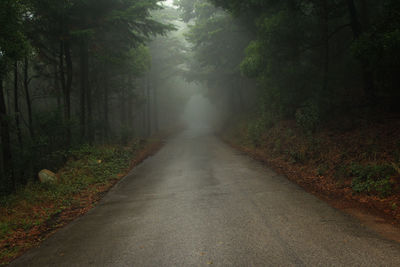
[[200, 116]]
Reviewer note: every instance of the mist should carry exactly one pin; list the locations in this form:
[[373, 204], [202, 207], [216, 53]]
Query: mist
[[200, 116]]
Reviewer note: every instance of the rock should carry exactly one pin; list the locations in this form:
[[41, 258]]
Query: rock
[[46, 176]]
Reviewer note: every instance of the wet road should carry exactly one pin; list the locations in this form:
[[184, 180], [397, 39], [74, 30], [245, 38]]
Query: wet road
[[200, 203]]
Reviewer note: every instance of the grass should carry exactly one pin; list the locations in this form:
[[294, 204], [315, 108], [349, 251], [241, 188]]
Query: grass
[[37, 209]]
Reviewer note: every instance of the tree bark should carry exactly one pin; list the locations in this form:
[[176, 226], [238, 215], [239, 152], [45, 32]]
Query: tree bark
[[5, 141], [16, 106], [68, 85], [89, 98], [148, 131], [326, 52], [130, 103], [105, 107], [65, 93], [84, 84], [59, 92], [155, 108], [28, 97], [367, 73]]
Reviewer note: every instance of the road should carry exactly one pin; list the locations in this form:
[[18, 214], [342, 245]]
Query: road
[[199, 202]]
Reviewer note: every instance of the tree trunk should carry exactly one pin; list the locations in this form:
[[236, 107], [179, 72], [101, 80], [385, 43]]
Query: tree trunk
[[105, 107], [5, 142], [240, 96], [368, 74], [155, 108], [28, 97], [143, 110], [123, 112], [89, 98], [65, 93], [326, 47], [68, 85], [16, 106], [365, 14], [148, 102], [130, 103], [84, 84], [295, 44], [59, 92]]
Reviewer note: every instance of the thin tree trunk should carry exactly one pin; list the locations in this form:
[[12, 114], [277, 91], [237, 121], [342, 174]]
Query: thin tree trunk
[[16, 106], [105, 108], [155, 108], [5, 141], [65, 92], [68, 60], [368, 74], [143, 110], [293, 11], [59, 92], [240, 96], [365, 14], [326, 52], [89, 99], [28, 97], [123, 112], [84, 85], [130, 104], [148, 108]]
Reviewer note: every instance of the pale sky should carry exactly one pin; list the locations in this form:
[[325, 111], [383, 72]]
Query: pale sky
[[169, 2]]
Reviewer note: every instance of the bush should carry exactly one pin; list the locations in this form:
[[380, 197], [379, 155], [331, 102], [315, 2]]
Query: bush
[[372, 179], [308, 117], [257, 128]]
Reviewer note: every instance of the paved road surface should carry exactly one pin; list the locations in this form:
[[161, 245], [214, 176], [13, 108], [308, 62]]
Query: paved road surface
[[200, 203]]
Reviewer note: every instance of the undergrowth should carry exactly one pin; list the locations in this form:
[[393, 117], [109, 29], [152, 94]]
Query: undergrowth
[[372, 179], [361, 159], [88, 169]]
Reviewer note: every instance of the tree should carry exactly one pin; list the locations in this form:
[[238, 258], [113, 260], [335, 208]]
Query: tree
[[12, 49], [218, 42]]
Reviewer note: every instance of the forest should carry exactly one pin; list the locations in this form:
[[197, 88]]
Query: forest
[[309, 87], [72, 73]]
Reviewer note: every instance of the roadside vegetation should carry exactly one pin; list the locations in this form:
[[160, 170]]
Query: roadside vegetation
[[37, 210]]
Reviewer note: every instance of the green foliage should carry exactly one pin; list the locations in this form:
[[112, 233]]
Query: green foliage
[[252, 65], [308, 117], [4, 228], [301, 51], [13, 43], [372, 179], [255, 131], [256, 128], [297, 156]]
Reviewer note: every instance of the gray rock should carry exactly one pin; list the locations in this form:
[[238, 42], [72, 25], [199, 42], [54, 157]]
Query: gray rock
[[46, 176]]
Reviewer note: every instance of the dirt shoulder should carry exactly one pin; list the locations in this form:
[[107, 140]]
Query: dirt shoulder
[[328, 164]]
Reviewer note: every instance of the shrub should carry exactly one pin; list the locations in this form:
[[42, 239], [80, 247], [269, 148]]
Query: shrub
[[372, 179], [257, 128], [308, 117]]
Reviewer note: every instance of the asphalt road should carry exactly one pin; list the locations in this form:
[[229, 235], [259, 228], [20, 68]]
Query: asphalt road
[[198, 202]]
